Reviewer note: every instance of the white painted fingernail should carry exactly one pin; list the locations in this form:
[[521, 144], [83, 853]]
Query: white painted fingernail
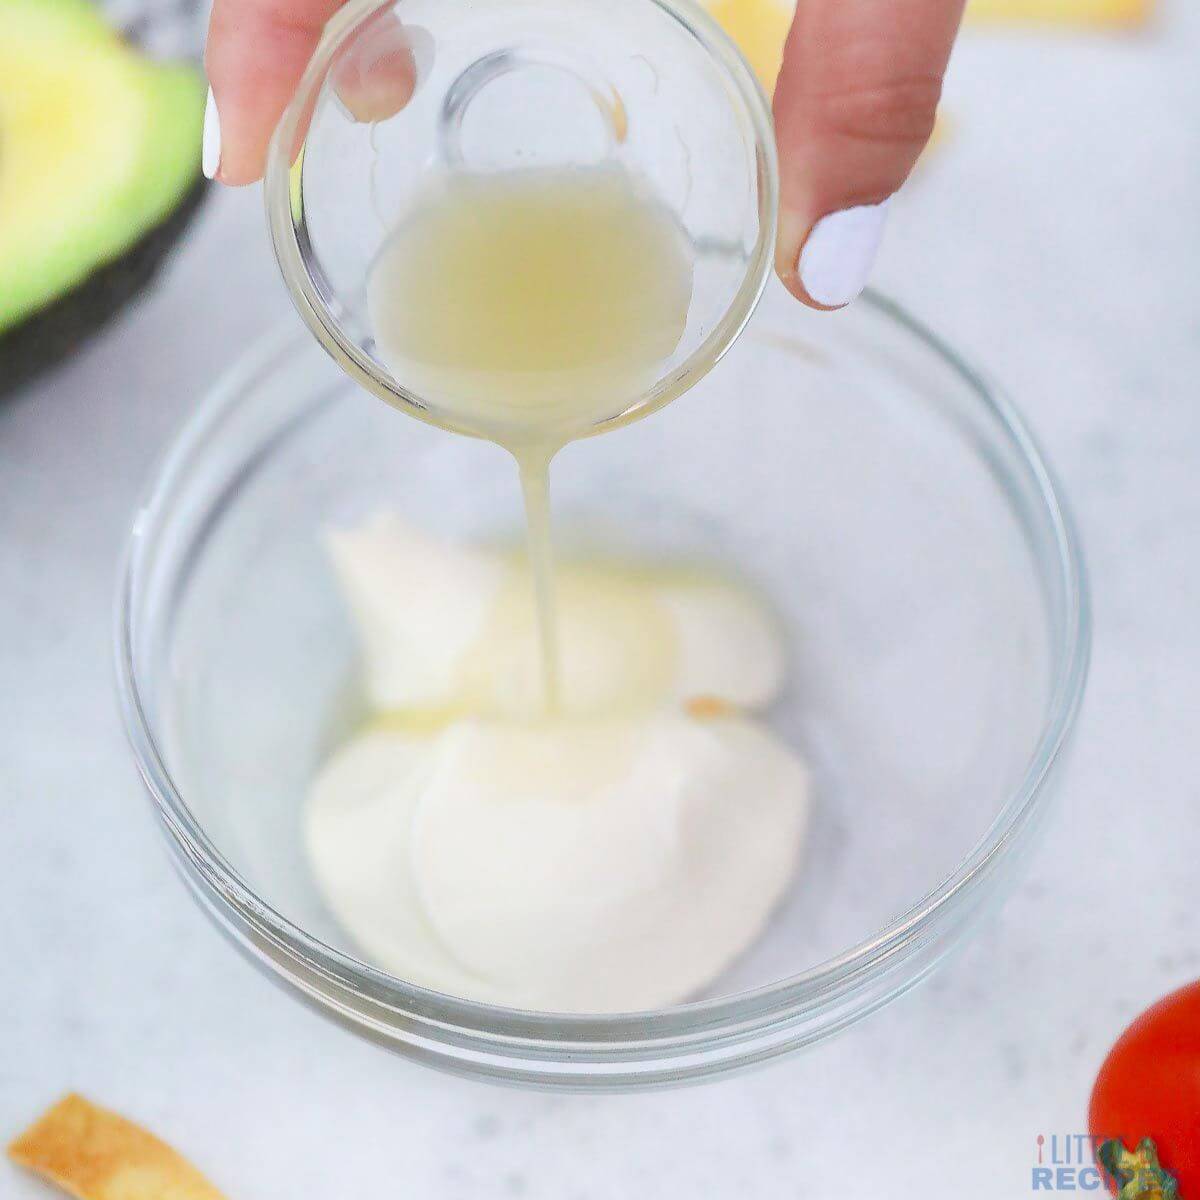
[[839, 253], [210, 159]]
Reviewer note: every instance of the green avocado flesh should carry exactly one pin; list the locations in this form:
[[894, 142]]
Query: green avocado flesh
[[99, 146]]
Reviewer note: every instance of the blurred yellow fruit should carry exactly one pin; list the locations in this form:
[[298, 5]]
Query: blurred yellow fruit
[[1079, 12], [759, 27]]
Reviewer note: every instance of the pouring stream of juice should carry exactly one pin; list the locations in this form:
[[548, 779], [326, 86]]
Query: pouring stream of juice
[[527, 306]]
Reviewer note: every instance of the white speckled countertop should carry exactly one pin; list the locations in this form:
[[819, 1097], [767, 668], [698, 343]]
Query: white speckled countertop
[[1056, 236]]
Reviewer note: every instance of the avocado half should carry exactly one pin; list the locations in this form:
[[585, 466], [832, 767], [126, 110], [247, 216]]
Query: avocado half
[[99, 174]]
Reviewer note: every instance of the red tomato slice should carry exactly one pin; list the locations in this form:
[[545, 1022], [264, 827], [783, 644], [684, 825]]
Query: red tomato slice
[[1149, 1086]]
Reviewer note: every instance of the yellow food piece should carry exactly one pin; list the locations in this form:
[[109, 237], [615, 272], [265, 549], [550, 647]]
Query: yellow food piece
[[1079, 12], [759, 27], [708, 708], [94, 1154]]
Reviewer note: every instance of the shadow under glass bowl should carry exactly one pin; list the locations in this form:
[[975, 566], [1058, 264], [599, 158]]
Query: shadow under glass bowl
[[889, 503]]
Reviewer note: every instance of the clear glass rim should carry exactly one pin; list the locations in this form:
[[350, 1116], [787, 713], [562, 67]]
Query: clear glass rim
[[804, 992], [283, 222]]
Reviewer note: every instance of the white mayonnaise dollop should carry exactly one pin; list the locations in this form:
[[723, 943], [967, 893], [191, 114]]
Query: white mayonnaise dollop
[[451, 627], [615, 858]]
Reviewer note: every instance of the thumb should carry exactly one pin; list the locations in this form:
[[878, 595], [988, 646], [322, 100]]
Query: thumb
[[257, 52], [854, 107]]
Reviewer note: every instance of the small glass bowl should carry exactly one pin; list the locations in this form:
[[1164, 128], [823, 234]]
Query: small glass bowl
[[652, 87], [890, 503]]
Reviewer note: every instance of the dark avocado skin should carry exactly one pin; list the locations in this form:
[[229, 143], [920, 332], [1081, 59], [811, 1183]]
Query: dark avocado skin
[[47, 337]]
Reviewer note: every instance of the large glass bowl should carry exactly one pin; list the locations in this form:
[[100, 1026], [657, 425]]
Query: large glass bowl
[[892, 506]]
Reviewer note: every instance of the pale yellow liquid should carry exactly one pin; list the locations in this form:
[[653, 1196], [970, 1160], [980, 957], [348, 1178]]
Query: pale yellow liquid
[[526, 307]]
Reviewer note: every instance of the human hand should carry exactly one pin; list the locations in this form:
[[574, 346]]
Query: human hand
[[854, 107]]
